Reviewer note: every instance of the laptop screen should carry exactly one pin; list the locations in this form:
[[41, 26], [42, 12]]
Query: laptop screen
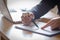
[[4, 10], [11, 16], [16, 15]]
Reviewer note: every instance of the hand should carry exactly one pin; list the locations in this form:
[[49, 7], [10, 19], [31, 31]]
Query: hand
[[26, 18], [54, 23]]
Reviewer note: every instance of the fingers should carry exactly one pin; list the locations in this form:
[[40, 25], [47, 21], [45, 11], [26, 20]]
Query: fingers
[[32, 16], [55, 25], [26, 18], [51, 22], [24, 15]]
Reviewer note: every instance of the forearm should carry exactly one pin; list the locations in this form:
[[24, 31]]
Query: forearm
[[42, 8]]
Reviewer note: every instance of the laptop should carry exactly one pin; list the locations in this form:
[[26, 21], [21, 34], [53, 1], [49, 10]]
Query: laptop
[[14, 17]]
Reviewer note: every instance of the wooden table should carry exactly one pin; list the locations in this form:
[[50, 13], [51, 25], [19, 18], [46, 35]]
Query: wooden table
[[10, 32]]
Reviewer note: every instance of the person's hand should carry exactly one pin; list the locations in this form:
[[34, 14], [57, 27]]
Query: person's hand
[[27, 18], [54, 23]]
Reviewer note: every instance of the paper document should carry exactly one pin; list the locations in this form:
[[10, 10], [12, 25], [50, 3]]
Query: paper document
[[47, 31]]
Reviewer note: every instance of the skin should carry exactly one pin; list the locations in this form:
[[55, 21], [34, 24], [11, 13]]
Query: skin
[[26, 18], [54, 22]]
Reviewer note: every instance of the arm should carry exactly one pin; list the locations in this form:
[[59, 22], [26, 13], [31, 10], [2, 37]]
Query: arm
[[42, 8], [39, 10]]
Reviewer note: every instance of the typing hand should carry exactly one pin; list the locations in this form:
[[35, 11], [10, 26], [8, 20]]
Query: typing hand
[[27, 18], [54, 23]]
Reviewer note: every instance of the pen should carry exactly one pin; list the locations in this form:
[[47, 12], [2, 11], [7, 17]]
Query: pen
[[32, 19], [35, 24]]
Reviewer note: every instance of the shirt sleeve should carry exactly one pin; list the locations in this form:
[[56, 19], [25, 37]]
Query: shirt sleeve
[[58, 3], [42, 8]]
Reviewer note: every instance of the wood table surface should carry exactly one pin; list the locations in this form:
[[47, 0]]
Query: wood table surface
[[9, 30]]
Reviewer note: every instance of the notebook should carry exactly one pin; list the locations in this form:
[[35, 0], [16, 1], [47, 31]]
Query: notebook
[[46, 32]]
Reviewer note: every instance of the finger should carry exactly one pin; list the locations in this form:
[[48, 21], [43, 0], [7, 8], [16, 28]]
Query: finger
[[25, 14], [55, 25], [49, 23], [26, 19], [31, 16]]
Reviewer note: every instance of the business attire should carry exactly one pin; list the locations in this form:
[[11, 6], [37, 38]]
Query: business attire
[[44, 6]]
